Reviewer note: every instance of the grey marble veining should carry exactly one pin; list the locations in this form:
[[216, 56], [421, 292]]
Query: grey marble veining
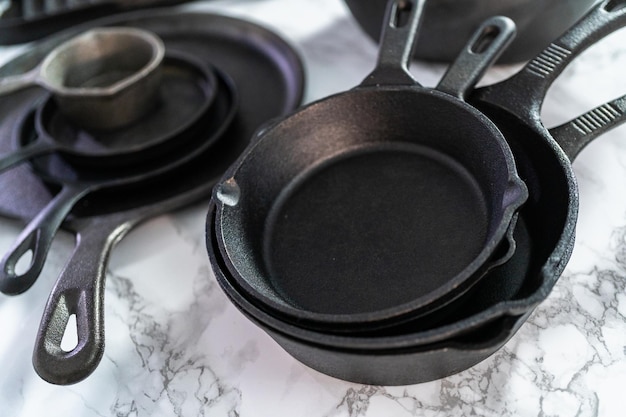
[[175, 346]]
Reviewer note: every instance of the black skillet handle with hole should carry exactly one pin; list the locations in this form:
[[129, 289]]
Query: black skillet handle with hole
[[574, 135], [398, 39], [35, 240], [485, 46], [78, 291], [523, 93]]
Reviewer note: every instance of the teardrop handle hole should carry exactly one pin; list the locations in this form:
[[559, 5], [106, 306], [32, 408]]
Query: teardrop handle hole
[[615, 5], [69, 342], [402, 13], [485, 39], [24, 263]]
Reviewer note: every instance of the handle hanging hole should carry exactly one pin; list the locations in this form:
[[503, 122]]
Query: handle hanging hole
[[486, 38], [69, 342], [24, 263], [615, 5], [402, 12]]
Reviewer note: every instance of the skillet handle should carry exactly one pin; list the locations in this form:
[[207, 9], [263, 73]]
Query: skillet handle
[[484, 47], [78, 291], [36, 238], [574, 135], [523, 93], [25, 153], [398, 39]]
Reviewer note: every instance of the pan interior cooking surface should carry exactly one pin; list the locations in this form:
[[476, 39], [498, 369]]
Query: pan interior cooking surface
[[366, 230]]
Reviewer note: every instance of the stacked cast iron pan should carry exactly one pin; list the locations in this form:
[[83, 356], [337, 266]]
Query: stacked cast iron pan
[[222, 79], [345, 250]]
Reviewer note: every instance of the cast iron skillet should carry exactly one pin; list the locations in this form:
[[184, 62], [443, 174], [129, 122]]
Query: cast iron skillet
[[495, 309], [38, 235], [447, 23], [315, 219], [544, 238], [100, 221], [143, 140], [236, 47]]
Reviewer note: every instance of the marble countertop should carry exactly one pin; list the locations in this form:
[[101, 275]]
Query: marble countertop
[[175, 346]]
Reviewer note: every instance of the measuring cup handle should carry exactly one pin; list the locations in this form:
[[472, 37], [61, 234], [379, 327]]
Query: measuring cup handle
[[19, 82], [526, 90], [574, 135], [484, 47], [78, 291], [398, 39], [36, 238]]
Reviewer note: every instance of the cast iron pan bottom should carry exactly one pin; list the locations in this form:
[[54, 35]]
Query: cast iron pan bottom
[[332, 231]]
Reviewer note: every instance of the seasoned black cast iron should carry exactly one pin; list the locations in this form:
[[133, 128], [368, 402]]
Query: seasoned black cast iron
[[38, 235], [235, 47], [502, 301], [370, 207]]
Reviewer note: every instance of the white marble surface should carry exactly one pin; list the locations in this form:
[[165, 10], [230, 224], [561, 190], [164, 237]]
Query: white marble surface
[[175, 346]]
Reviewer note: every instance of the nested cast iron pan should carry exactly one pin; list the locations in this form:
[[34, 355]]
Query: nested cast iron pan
[[447, 23], [182, 105], [74, 183], [266, 71], [238, 48], [501, 302], [352, 213], [30, 20]]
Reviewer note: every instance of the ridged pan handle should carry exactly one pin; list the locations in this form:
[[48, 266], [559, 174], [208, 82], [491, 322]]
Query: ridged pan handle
[[398, 39], [482, 50], [574, 135], [78, 291], [36, 238], [523, 93]]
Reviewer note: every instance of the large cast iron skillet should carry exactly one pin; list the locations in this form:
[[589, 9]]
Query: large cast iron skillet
[[374, 205], [447, 23], [501, 302], [495, 308]]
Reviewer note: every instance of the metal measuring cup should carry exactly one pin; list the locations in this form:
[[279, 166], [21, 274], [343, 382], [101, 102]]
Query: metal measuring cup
[[104, 78]]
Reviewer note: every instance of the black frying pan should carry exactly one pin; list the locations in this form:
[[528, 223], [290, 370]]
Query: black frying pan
[[37, 236], [372, 189], [500, 303], [236, 47], [100, 221], [159, 131], [494, 309]]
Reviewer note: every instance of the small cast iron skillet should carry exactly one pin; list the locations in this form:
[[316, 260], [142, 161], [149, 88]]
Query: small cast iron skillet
[[372, 206], [37, 236], [502, 301], [134, 144]]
